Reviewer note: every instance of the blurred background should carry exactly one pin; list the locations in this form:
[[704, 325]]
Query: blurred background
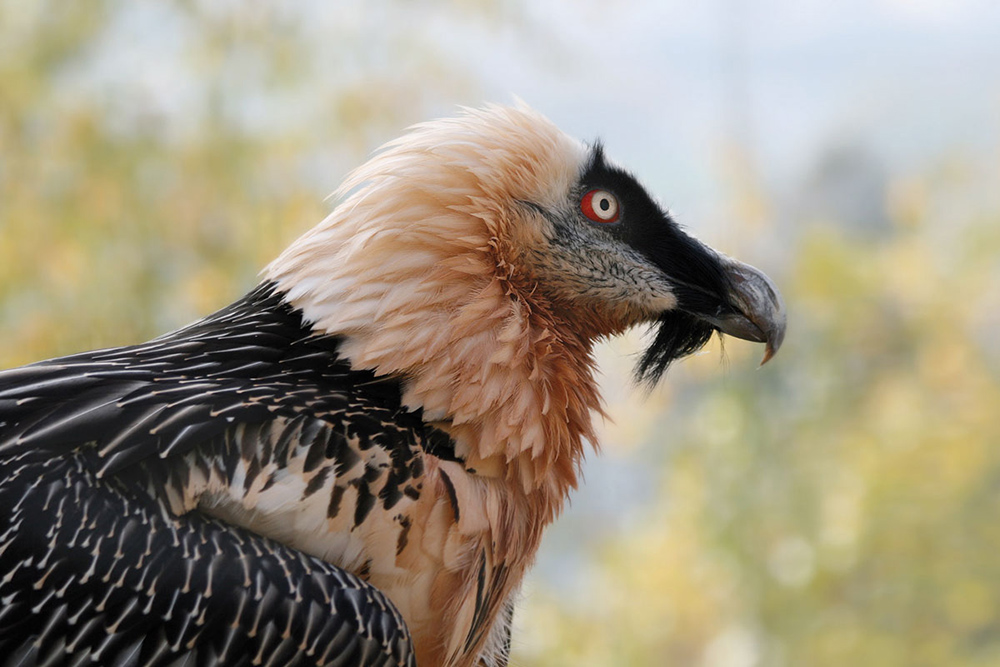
[[840, 506]]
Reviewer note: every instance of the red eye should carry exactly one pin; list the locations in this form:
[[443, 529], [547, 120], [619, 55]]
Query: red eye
[[600, 206]]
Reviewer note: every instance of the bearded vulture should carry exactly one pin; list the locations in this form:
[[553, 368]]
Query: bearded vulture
[[354, 463]]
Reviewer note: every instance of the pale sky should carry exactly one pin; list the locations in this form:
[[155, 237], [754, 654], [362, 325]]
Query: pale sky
[[665, 83]]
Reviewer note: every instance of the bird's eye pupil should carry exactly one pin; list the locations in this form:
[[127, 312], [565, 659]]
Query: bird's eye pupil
[[605, 204]]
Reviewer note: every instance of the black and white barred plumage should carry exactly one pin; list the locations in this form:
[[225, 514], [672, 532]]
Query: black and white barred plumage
[[93, 446]]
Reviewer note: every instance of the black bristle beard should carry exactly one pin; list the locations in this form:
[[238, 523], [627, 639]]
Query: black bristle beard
[[678, 334]]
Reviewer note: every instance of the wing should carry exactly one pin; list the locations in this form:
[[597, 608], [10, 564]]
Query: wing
[[94, 574], [248, 363], [233, 398]]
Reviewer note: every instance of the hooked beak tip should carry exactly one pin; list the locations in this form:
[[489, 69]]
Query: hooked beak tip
[[760, 310], [769, 351]]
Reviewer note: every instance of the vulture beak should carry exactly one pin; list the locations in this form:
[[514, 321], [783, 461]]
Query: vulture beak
[[756, 312]]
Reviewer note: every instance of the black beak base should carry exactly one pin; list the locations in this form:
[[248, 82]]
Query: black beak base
[[749, 307]]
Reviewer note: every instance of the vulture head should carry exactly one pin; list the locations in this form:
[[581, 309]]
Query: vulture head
[[479, 257]]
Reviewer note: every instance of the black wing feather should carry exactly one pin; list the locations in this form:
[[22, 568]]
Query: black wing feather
[[93, 562], [101, 574]]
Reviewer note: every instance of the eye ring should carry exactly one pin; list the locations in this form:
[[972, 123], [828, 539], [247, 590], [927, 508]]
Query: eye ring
[[600, 206]]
